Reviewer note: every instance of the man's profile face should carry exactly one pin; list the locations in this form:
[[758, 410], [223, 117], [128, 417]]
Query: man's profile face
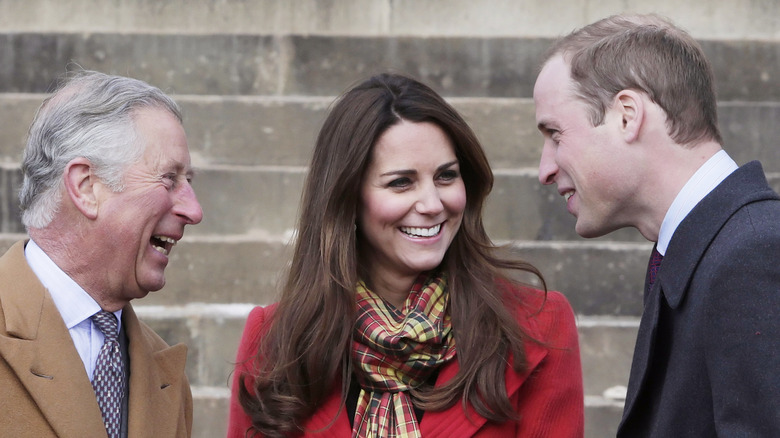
[[588, 165], [139, 226]]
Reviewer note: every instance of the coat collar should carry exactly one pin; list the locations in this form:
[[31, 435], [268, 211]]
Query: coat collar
[[330, 420], [695, 233], [38, 347]]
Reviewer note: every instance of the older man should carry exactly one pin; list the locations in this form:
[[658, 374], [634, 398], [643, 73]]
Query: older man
[[106, 195], [628, 112]]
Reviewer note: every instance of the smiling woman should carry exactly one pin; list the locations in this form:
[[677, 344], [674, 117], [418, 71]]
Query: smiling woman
[[412, 200], [398, 318]]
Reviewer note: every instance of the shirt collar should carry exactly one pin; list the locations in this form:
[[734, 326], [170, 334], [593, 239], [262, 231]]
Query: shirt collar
[[706, 178], [73, 302]]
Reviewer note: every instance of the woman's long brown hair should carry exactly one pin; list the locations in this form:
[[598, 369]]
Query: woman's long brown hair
[[307, 346]]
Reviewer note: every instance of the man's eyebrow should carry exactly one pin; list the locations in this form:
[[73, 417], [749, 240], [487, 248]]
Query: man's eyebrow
[[186, 169]]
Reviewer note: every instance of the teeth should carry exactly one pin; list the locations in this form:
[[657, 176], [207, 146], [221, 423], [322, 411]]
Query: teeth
[[422, 232], [166, 239], [568, 195]]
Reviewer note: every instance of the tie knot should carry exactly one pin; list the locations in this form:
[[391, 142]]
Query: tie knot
[[107, 323]]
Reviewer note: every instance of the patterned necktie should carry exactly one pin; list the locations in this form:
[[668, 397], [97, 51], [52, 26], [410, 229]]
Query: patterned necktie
[[652, 268], [108, 378]]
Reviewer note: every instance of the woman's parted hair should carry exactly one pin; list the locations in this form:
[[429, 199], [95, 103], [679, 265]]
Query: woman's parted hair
[[308, 341], [89, 115], [650, 54]]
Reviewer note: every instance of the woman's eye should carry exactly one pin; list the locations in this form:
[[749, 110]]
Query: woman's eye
[[449, 175], [400, 182]]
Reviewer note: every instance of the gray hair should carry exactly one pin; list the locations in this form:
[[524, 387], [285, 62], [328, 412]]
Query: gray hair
[[89, 115]]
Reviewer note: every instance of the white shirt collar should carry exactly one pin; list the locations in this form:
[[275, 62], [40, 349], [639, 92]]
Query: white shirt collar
[[73, 302], [709, 175]]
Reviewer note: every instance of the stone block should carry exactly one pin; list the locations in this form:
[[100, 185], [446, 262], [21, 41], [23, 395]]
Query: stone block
[[748, 19], [10, 216], [598, 278], [281, 130], [260, 131], [750, 131], [602, 418], [604, 278], [231, 270], [326, 66], [210, 412], [241, 200], [210, 331], [606, 349]]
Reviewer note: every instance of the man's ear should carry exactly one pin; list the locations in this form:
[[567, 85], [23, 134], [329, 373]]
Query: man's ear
[[630, 107], [80, 184]]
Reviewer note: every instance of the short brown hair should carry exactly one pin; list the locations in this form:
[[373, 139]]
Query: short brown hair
[[650, 54]]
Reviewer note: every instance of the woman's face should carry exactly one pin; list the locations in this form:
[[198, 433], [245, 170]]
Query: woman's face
[[412, 201]]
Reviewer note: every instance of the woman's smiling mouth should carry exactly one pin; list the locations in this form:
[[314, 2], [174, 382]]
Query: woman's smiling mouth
[[421, 232]]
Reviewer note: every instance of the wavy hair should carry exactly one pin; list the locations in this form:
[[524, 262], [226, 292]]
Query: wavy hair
[[307, 346]]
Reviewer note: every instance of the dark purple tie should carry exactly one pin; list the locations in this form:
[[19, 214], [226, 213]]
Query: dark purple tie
[[652, 267], [108, 378]]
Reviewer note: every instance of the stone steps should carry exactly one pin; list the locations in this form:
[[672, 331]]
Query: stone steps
[[247, 169], [282, 129], [255, 79]]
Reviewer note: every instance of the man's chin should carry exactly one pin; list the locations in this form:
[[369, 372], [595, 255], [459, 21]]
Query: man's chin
[[588, 231]]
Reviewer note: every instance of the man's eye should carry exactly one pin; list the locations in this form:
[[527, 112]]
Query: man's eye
[[169, 179]]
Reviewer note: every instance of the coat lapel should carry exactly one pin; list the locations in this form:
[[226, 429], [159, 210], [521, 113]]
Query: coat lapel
[[451, 422], [41, 352], [155, 382], [645, 342], [331, 419]]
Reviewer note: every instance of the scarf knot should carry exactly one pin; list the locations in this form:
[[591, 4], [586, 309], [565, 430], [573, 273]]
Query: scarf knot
[[395, 350]]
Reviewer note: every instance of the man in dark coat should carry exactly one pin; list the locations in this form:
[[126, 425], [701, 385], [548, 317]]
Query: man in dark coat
[[627, 109]]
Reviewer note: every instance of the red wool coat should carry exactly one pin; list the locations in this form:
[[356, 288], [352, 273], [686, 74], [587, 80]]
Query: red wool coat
[[548, 396]]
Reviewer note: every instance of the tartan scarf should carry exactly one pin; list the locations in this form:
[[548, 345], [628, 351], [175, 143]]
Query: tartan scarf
[[394, 350]]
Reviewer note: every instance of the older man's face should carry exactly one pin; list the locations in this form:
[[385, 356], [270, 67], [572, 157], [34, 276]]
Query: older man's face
[[139, 226]]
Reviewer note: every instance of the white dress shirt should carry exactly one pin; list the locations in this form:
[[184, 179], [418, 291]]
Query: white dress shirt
[[74, 304], [709, 175]]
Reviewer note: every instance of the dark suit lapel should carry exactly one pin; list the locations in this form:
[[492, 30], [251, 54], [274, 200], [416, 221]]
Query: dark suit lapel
[[155, 383], [643, 350], [695, 233], [41, 352], [686, 248]]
